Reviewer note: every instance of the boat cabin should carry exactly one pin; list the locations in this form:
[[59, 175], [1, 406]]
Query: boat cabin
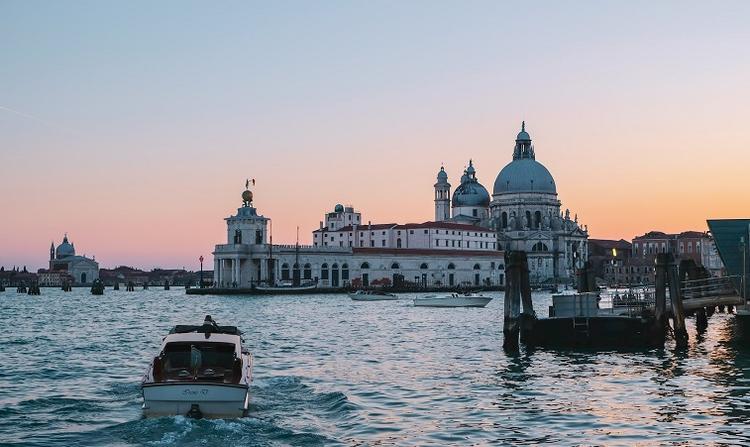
[[200, 353]]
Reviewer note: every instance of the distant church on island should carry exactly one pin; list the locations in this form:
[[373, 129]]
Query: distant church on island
[[67, 267], [463, 245]]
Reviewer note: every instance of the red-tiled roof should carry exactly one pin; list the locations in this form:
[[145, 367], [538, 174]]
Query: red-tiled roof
[[409, 226], [610, 243], [695, 234], [427, 252], [359, 228], [445, 226]]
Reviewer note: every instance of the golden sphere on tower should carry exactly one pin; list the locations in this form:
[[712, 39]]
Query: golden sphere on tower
[[247, 196]]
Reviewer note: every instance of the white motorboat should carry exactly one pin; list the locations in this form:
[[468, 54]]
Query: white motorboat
[[201, 371], [453, 300], [372, 295]]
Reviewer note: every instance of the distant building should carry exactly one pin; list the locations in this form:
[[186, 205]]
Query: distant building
[[53, 278], [608, 257], [63, 259]]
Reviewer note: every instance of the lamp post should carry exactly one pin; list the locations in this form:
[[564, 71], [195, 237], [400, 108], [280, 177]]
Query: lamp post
[[201, 277]]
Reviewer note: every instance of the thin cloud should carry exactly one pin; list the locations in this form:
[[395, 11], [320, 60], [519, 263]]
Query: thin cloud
[[39, 120]]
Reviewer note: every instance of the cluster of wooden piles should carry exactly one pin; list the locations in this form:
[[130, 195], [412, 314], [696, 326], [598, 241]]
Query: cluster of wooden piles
[[575, 320]]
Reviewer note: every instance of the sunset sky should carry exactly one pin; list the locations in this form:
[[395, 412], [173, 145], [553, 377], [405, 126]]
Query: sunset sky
[[132, 126]]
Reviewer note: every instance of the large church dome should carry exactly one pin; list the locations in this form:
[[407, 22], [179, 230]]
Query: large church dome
[[470, 192], [524, 173], [65, 249]]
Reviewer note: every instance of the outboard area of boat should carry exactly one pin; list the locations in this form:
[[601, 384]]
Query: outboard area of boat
[[195, 412]]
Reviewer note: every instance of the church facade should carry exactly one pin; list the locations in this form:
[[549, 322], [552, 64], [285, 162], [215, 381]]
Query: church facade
[[64, 261]]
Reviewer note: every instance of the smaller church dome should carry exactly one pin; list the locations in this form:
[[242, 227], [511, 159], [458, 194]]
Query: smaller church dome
[[470, 192], [339, 208]]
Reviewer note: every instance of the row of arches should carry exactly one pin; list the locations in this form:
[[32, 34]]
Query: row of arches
[[533, 220], [307, 268]]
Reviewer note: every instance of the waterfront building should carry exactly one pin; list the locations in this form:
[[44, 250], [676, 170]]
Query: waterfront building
[[608, 258], [83, 270], [345, 253]]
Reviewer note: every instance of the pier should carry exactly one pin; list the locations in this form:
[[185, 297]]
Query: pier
[[576, 320]]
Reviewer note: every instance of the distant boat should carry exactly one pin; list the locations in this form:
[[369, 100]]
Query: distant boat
[[372, 295], [453, 300], [286, 288]]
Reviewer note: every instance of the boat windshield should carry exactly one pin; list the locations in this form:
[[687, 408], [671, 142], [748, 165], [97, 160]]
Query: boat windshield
[[199, 361]]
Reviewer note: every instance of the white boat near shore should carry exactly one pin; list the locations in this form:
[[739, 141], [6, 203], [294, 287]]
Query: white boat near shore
[[372, 295], [453, 300], [200, 371], [286, 288]]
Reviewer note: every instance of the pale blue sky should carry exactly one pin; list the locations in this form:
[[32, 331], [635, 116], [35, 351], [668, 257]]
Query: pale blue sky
[[143, 115]]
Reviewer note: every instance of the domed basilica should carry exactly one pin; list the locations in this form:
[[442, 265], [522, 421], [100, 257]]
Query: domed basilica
[[524, 212]]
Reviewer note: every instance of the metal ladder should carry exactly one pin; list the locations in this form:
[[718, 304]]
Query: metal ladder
[[581, 326]]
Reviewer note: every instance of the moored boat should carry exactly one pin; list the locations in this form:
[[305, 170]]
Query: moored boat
[[286, 288], [200, 371], [453, 300], [372, 295]]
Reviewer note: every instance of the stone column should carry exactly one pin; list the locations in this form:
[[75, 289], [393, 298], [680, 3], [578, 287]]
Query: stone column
[[237, 274]]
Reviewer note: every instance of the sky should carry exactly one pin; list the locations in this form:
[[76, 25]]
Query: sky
[[132, 126]]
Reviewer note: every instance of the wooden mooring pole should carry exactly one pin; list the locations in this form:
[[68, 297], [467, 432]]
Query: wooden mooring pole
[[515, 264], [661, 320], [675, 297]]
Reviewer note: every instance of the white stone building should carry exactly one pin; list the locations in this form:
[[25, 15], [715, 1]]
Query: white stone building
[[345, 253], [83, 270]]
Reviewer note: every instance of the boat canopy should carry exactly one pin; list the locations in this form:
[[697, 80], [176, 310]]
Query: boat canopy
[[205, 329]]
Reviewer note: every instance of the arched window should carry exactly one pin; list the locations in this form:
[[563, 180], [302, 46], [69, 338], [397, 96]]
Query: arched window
[[398, 243], [424, 266], [395, 265], [477, 267], [504, 220], [83, 278], [324, 271], [345, 271], [307, 272], [537, 219], [539, 246], [451, 266], [284, 271], [528, 219], [364, 265]]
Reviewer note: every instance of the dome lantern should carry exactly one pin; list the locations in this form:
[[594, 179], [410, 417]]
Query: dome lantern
[[524, 173]]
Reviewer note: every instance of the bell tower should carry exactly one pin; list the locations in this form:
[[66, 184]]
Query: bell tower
[[442, 196]]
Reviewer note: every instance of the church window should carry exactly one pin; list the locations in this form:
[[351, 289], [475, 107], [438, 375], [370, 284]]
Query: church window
[[537, 219], [285, 271], [451, 266], [364, 265], [423, 266], [504, 219], [398, 243], [395, 266], [528, 219], [477, 267]]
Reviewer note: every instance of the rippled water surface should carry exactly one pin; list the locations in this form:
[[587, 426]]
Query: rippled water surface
[[329, 371]]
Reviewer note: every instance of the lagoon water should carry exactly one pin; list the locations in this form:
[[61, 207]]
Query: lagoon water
[[329, 371]]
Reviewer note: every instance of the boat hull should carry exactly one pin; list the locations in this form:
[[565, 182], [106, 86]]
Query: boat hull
[[363, 297], [214, 400], [452, 302]]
